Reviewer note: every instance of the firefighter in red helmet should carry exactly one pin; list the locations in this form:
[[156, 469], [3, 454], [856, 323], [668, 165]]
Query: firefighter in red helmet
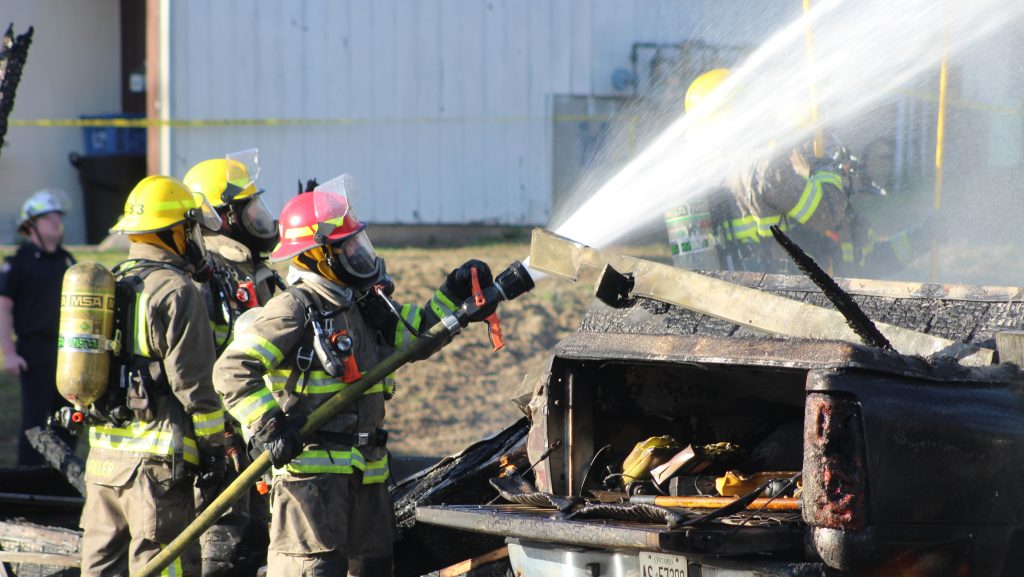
[[331, 510]]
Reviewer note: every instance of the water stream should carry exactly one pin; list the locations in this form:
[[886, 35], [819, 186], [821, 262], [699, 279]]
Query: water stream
[[864, 51]]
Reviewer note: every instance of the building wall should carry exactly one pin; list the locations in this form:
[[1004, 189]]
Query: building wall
[[441, 109], [73, 68]]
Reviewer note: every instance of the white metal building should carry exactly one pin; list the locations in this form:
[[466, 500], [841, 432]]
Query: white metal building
[[441, 109]]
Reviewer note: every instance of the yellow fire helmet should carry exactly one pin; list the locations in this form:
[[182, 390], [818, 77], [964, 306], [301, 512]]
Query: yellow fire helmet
[[221, 180], [703, 86], [161, 202]]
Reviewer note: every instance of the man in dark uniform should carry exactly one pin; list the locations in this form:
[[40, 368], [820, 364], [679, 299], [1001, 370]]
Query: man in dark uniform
[[30, 285]]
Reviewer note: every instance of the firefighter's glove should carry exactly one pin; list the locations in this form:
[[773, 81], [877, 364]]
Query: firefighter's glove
[[459, 284], [279, 436], [212, 469]]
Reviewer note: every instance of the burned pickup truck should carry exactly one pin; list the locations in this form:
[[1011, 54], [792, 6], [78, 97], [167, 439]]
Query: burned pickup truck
[[730, 424]]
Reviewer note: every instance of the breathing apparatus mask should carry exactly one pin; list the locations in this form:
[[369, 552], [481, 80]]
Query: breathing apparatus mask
[[250, 222], [355, 262], [194, 251]]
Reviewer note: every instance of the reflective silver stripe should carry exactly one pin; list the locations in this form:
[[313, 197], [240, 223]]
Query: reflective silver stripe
[[207, 424], [413, 315], [136, 439], [320, 383], [339, 462], [258, 348], [252, 407]]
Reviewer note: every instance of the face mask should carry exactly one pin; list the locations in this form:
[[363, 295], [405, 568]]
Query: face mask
[[251, 223]]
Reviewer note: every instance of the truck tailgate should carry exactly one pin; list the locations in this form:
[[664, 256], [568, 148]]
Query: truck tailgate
[[533, 523]]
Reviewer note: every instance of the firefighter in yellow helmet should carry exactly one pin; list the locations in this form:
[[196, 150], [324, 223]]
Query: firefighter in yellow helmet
[[807, 197], [332, 512], [248, 231], [240, 280], [165, 432]]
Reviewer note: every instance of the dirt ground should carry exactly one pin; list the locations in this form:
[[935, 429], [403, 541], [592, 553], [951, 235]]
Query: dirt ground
[[461, 394]]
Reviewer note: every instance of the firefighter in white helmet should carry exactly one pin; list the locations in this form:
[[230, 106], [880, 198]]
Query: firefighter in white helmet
[[30, 282], [142, 466]]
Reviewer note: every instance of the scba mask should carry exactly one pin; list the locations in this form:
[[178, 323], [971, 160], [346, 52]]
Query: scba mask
[[252, 224], [356, 263], [196, 219]]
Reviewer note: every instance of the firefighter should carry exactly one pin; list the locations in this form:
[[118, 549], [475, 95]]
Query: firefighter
[[331, 510], [141, 468], [808, 197], [241, 280], [30, 282], [248, 232]]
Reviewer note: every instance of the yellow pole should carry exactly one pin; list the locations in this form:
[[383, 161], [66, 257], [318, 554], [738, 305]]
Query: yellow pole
[[940, 136], [819, 140]]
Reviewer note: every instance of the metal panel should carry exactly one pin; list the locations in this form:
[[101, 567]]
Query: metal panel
[[439, 108]]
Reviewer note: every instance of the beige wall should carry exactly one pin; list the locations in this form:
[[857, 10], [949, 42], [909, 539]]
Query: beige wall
[[73, 68]]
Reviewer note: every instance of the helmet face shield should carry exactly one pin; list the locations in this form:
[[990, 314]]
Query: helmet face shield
[[356, 255], [257, 219], [243, 168], [204, 214]]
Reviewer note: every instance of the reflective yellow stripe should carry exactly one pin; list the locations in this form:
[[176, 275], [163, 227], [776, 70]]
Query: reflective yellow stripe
[[441, 304], [140, 345], [258, 348], [847, 251], [339, 462], [765, 223], [174, 569], [298, 232], [220, 333], [745, 229], [207, 424], [414, 315], [253, 406], [319, 383], [813, 193], [136, 439]]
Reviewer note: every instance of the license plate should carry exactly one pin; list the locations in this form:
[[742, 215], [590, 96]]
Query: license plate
[[662, 565]]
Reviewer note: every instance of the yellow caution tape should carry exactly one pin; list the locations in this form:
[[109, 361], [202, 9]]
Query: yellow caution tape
[[349, 121], [198, 123]]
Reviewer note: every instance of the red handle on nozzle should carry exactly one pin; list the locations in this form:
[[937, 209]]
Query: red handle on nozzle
[[493, 323]]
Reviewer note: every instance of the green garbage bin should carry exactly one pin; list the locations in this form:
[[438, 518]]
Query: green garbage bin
[[106, 182]]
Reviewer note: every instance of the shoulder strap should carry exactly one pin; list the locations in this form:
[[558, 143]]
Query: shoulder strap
[[307, 302], [141, 268]]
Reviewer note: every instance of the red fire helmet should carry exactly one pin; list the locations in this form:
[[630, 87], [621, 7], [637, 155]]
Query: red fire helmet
[[314, 219]]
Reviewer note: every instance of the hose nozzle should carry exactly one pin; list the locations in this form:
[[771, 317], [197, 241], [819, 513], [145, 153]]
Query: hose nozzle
[[514, 281]]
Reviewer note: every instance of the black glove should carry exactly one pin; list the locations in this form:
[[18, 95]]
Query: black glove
[[279, 437], [212, 469], [459, 284]]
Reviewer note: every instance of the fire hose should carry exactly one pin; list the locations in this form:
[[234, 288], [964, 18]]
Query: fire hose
[[512, 282]]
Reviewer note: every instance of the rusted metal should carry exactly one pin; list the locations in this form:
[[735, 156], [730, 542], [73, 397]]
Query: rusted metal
[[523, 522]]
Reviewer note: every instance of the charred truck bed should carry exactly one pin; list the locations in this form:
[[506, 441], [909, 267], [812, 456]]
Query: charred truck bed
[[904, 464]]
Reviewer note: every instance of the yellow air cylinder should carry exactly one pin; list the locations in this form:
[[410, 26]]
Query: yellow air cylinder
[[86, 329]]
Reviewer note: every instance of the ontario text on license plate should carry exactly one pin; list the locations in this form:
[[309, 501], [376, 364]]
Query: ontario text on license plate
[[662, 565]]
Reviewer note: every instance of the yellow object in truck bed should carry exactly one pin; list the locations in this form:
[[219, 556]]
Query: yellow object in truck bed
[[734, 484]]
